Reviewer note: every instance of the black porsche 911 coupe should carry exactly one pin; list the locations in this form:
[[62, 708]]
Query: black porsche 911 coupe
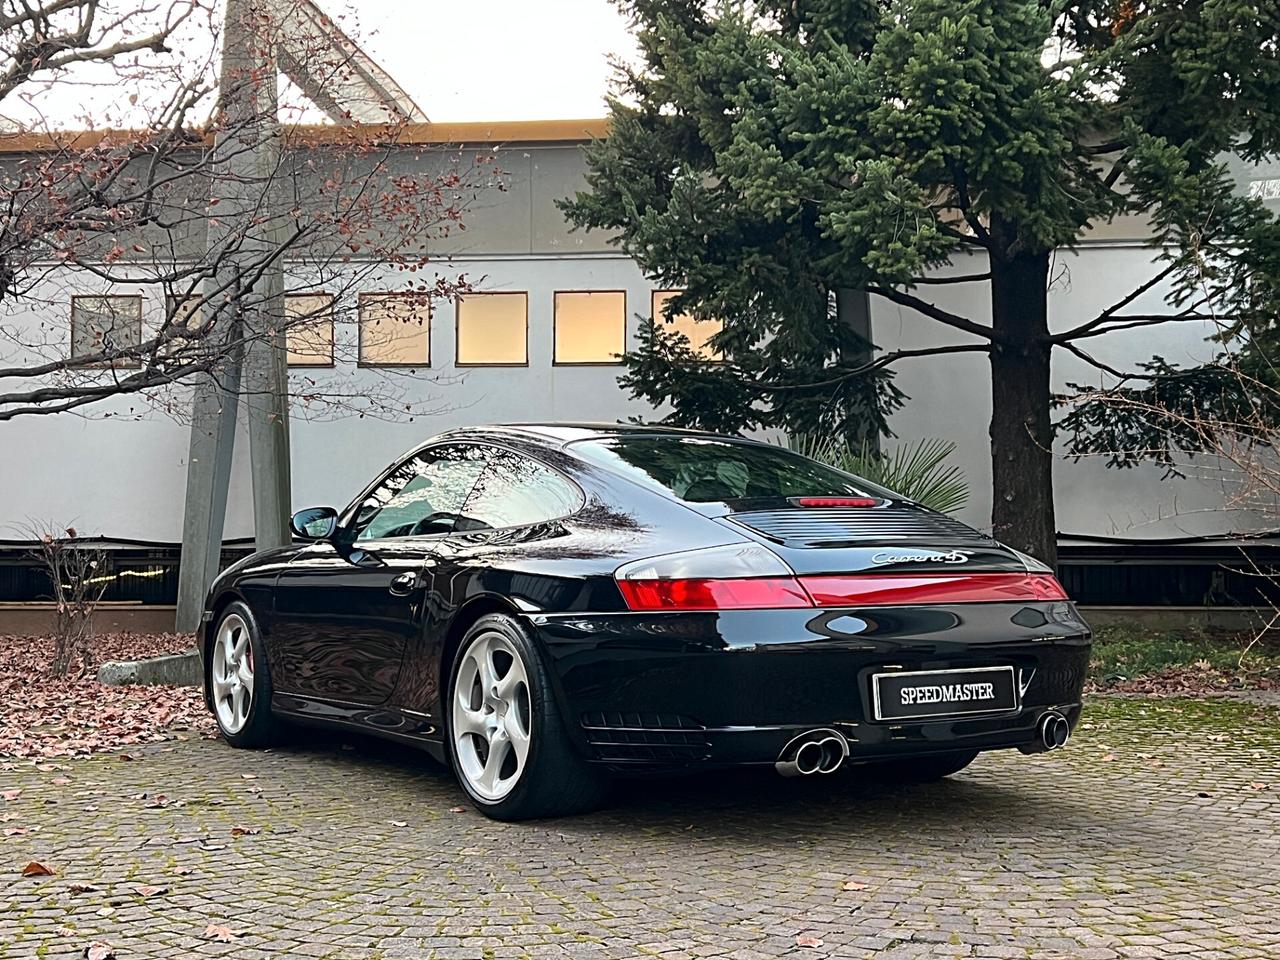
[[547, 607]]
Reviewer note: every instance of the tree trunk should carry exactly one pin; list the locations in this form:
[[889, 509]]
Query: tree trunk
[[1021, 435]]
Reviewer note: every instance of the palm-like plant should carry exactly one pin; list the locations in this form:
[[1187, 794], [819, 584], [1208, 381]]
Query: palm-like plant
[[916, 470]]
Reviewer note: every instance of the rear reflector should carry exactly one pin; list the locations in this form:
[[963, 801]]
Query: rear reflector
[[836, 501], [855, 590], [753, 593]]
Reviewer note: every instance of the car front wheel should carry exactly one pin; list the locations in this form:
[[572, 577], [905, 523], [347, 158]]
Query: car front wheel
[[237, 681], [507, 742]]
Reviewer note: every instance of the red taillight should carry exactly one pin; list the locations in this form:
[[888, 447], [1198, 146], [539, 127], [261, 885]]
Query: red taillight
[[836, 501], [853, 590], [745, 594], [746, 576], [860, 590]]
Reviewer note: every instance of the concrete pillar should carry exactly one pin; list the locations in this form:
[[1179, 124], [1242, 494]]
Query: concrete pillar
[[243, 234]]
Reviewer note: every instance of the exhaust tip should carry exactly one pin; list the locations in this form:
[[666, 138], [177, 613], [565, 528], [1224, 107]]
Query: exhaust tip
[[818, 751], [809, 758], [833, 753], [1052, 733]]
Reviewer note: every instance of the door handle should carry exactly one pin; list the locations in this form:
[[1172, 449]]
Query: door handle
[[404, 584]]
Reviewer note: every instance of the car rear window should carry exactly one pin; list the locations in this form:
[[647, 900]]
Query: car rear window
[[707, 469]]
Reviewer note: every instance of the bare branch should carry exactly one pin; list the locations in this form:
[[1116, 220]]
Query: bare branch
[[933, 311]]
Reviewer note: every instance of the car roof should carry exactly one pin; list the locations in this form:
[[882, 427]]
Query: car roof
[[559, 434]]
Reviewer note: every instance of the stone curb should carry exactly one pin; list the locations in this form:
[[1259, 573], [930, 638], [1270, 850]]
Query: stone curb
[[177, 670]]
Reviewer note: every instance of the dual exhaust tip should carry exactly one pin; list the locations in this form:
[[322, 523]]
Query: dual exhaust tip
[[824, 750], [818, 751], [1052, 733]]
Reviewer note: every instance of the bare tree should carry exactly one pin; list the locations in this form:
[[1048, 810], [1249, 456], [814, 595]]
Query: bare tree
[[77, 580], [121, 272]]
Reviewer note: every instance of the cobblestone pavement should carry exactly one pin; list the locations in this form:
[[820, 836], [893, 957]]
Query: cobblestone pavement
[[1155, 834]]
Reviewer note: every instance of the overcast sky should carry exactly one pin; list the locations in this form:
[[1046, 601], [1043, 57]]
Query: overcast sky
[[494, 59], [486, 60]]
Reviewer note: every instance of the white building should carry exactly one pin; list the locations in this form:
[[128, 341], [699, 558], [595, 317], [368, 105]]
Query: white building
[[536, 340]]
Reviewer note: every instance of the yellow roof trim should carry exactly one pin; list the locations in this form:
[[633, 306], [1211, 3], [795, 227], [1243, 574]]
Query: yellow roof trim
[[480, 131]]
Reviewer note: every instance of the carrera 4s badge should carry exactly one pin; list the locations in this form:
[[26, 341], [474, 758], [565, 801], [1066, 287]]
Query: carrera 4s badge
[[921, 556]]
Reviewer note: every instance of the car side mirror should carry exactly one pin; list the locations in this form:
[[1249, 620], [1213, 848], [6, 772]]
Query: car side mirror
[[314, 523]]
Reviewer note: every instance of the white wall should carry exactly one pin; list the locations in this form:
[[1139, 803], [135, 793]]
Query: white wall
[[120, 470], [951, 398]]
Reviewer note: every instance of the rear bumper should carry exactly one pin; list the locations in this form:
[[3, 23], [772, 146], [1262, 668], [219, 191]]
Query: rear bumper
[[734, 687]]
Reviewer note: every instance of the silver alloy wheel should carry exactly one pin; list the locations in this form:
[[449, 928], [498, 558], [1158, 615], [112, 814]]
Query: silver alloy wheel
[[232, 672], [492, 716]]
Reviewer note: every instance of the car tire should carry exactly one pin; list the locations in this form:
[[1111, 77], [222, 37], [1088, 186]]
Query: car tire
[[238, 680], [501, 702], [922, 769]]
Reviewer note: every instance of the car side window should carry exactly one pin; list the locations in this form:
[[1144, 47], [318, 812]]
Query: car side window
[[425, 495], [514, 491]]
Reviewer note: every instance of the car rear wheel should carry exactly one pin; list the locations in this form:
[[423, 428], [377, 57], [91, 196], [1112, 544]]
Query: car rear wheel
[[237, 681], [508, 745], [922, 769]]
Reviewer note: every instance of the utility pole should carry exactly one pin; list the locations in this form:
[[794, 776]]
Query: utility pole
[[246, 229]]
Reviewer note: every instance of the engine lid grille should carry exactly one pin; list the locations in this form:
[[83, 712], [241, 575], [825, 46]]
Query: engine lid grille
[[835, 526]]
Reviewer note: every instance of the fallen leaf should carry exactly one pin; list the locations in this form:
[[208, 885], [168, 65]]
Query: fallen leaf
[[1257, 786], [15, 831], [82, 888], [60, 781], [36, 869], [98, 950], [1219, 737], [457, 809], [808, 940], [8, 795], [245, 831], [184, 871], [145, 890], [248, 776], [219, 933], [398, 823], [853, 885], [1108, 757]]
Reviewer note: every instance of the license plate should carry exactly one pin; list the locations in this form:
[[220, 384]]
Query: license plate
[[909, 695]]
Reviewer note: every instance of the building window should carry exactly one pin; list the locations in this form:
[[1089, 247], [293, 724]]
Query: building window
[[309, 329], [698, 331], [105, 324], [591, 326], [493, 329], [395, 330]]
